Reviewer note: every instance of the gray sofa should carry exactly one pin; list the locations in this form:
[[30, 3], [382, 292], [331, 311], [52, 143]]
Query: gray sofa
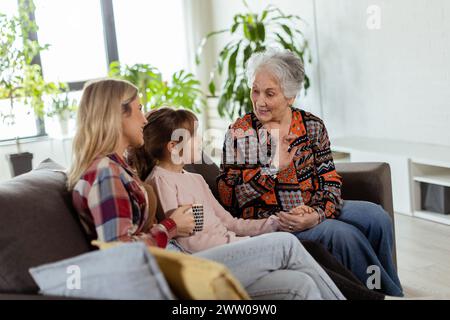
[[39, 224]]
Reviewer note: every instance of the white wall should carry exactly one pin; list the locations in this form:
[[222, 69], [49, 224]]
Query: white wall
[[388, 83]]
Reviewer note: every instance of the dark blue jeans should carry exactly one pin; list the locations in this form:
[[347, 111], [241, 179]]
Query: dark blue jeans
[[362, 236]]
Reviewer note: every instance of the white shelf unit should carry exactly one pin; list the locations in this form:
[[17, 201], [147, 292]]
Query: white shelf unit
[[433, 216], [431, 174], [411, 164]]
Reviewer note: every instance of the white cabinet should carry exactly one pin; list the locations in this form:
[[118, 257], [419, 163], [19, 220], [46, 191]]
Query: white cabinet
[[411, 163], [431, 174]]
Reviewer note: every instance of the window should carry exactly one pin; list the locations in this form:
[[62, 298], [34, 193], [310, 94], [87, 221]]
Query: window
[[152, 32], [74, 30], [22, 124], [146, 31], [20, 121]]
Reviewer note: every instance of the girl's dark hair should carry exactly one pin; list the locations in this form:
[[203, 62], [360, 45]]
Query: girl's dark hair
[[157, 133]]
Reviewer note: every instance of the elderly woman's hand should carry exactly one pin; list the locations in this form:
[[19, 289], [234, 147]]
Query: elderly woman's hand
[[302, 210], [283, 157], [291, 222]]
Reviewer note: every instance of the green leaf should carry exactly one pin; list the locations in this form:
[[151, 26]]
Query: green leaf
[[222, 57], [287, 29], [264, 15], [234, 27], [222, 105], [232, 62], [247, 32], [114, 68], [247, 53], [214, 33], [246, 4], [261, 31], [307, 84], [212, 88], [283, 42]]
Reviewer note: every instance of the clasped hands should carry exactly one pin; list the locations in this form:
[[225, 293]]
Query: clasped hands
[[298, 219]]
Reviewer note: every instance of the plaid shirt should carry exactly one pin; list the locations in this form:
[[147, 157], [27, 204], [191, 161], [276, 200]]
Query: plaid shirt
[[249, 188], [113, 206]]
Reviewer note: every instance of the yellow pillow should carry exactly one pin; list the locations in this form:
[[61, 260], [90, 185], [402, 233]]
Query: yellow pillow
[[193, 278]]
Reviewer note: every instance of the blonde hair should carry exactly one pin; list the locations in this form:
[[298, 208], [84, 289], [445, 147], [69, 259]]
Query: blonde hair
[[99, 123]]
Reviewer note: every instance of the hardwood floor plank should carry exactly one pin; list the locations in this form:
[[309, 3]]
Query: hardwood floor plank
[[423, 251]]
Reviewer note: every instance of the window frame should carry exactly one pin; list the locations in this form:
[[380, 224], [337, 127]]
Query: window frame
[[111, 51]]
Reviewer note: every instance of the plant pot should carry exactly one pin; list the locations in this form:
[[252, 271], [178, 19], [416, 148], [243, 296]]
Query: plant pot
[[20, 163], [64, 123]]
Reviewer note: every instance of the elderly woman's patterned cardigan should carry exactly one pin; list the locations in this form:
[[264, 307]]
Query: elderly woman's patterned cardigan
[[248, 190]]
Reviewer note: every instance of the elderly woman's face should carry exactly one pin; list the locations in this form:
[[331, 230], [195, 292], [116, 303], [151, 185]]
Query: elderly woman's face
[[269, 102]]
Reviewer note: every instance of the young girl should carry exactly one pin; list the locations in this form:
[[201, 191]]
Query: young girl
[[175, 186], [113, 204]]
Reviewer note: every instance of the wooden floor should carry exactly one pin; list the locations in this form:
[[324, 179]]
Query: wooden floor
[[423, 253]]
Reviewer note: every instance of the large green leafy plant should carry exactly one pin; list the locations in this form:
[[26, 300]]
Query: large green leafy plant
[[182, 91], [251, 33], [20, 77]]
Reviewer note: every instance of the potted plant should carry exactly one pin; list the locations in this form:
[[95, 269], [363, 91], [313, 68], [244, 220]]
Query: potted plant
[[20, 78], [62, 107], [251, 33], [183, 90]]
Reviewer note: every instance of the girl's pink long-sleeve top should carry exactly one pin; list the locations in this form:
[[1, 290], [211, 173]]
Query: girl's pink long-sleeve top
[[220, 227]]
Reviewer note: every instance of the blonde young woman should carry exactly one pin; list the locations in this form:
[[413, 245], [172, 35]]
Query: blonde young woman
[[114, 205]]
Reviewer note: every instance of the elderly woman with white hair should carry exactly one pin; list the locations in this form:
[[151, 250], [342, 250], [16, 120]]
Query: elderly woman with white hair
[[277, 161]]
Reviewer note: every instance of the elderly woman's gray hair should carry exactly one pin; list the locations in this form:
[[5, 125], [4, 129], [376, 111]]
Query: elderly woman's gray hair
[[287, 67]]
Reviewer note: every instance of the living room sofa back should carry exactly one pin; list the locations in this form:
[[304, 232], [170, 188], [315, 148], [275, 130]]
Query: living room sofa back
[[38, 226]]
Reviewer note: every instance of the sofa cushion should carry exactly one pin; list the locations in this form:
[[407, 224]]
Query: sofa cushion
[[125, 272], [38, 225], [191, 277]]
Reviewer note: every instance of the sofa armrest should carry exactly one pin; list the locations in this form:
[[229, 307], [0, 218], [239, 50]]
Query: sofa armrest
[[368, 181]]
